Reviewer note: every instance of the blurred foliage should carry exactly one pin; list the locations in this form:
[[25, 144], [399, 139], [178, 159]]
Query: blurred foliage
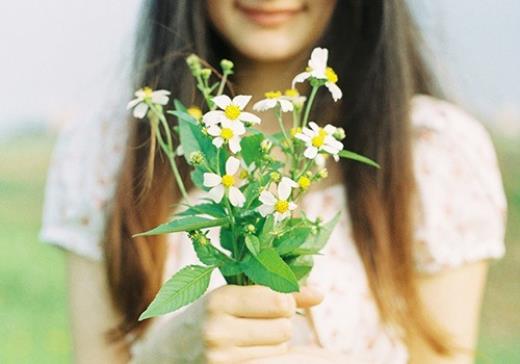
[[33, 309]]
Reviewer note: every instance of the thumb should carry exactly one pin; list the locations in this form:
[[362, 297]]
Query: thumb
[[307, 297]]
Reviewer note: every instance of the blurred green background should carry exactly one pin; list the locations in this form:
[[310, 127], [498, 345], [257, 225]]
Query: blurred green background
[[33, 310]]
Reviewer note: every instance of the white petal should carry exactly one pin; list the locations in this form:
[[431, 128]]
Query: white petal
[[214, 130], [265, 210], [330, 149], [330, 129], [336, 144], [318, 62], [213, 117], [310, 152], [222, 101], [286, 105], [211, 179], [237, 127], [132, 103], [290, 182], [234, 145], [284, 188], [314, 126], [292, 206], [334, 90], [218, 141], [252, 118], [267, 198], [140, 94], [300, 77], [305, 138], [279, 217], [140, 110], [160, 98], [310, 133], [241, 101], [232, 165], [320, 161], [265, 104], [236, 197], [216, 193]]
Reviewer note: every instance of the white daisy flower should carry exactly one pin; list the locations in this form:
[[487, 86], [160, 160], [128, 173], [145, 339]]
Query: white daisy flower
[[278, 204], [320, 140], [294, 96], [273, 99], [317, 68], [144, 97], [227, 183], [231, 110], [228, 133]]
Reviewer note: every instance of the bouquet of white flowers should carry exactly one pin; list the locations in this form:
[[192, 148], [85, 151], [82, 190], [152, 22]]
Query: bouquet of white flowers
[[252, 196]]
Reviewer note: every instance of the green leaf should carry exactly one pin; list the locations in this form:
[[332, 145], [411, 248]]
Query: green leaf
[[197, 176], [251, 150], [291, 240], [181, 289], [226, 238], [347, 154], [301, 266], [252, 244], [266, 237], [251, 193], [212, 209], [316, 242], [268, 269], [232, 268], [209, 254], [187, 224]]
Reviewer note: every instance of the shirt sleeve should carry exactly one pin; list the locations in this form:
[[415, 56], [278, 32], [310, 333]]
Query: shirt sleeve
[[81, 182], [461, 202]]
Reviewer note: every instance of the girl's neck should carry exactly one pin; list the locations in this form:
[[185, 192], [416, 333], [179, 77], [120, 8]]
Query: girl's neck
[[256, 78]]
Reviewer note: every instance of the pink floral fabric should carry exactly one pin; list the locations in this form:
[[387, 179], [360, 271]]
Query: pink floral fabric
[[460, 212]]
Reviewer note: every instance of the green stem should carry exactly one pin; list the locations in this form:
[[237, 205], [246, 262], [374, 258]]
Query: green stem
[[167, 147], [280, 122], [222, 84], [309, 105]]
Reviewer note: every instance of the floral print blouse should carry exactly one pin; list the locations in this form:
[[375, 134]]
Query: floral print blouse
[[461, 218]]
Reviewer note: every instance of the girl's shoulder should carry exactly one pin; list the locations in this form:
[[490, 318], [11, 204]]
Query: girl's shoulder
[[461, 201], [81, 182]]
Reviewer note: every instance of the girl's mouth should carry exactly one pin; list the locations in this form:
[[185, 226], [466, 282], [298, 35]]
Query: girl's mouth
[[268, 17]]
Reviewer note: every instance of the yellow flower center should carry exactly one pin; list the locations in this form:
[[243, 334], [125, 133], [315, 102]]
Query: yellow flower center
[[319, 139], [295, 131], [273, 94], [228, 181], [226, 133], [331, 75], [195, 112], [281, 206], [304, 182], [147, 92], [292, 92], [232, 112]]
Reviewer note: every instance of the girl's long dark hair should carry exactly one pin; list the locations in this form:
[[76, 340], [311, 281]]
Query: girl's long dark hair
[[375, 50]]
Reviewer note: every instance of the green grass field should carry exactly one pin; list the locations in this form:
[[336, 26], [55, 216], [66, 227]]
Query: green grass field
[[33, 311]]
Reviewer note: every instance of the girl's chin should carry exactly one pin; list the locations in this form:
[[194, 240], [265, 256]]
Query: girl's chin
[[274, 50]]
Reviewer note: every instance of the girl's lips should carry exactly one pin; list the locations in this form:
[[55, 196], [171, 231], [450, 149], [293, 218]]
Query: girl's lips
[[267, 17]]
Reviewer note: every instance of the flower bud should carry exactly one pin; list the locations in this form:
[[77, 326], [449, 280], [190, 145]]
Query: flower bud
[[193, 62], [205, 73], [250, 229], [323, 173], [227, 66], [339, 134], [196, 158], [275, 177], [195, 112], [304, 182], [266, 145], [199, 237], [295, 131]]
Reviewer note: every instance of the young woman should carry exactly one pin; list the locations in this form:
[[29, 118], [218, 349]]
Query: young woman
[[403, 274]]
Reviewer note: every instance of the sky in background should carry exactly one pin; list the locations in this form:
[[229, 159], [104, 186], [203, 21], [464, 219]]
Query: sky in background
[[61, 57]]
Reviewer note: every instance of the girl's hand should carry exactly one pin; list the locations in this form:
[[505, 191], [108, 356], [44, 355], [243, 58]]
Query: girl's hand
[[250, 322], [231, 324]]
